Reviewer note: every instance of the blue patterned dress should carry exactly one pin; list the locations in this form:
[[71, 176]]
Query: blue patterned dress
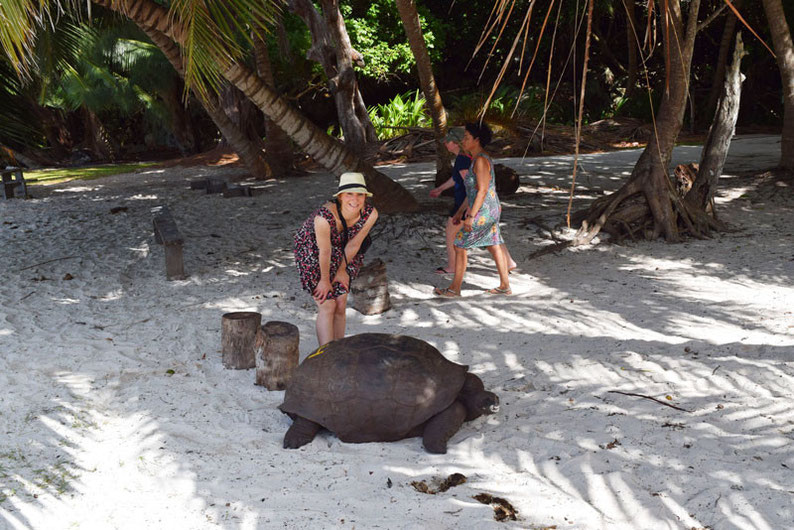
[[485, 229]]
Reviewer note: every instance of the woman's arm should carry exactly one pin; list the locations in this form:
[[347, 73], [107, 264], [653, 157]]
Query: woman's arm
[[354, 244], [322, 233], [482, 170], [435, 192]]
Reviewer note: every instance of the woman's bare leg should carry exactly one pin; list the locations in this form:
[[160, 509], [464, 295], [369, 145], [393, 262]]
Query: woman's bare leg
[[461, 260], [325, 321], [511, 264], [500, 258], [340, 317], [451, 231]]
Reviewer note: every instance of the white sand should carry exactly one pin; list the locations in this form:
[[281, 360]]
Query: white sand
[[95, 433]]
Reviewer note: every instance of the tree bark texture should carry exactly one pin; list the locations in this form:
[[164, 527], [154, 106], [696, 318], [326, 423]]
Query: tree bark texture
[[248, 151], [333, 155], [784, 50], [370, 290], [331, 48], [276, 353], [424, 68], [238, 336], [278, 147], [649, 176], [722, 60], [718, 141]]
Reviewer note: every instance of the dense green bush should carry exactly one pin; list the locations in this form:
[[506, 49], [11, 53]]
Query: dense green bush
[[407, 110]]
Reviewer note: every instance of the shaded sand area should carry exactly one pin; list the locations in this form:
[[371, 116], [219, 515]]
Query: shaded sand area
[[116, 412]]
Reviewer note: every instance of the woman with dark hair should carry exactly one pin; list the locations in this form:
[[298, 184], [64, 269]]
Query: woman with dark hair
[[327, 252], [481, 226]]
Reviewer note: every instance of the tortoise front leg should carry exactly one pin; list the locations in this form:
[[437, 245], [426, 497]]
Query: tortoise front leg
[[440, 428], [300, 433]]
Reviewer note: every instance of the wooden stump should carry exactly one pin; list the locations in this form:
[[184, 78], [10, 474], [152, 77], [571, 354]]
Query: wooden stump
[[238, 335], [276, 352], [507, 181], [217, 184], [371, 289]]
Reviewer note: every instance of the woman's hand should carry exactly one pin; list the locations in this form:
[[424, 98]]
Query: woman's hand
[[459, 215], [468, 224], [322, 290], [342, 277]]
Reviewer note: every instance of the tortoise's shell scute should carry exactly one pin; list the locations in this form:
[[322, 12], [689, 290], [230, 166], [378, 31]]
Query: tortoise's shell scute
[[373, 386]]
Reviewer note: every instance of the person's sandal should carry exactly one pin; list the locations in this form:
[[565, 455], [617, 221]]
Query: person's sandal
[[442, 270], [446, 292], [497, 290]]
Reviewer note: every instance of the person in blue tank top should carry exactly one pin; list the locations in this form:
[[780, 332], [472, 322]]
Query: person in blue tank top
[[481, 226], [459, 170]]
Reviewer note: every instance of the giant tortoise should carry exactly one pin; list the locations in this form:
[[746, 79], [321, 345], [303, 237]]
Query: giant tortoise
[[376, 387]]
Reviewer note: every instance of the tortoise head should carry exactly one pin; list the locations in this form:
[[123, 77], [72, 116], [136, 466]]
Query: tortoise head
[[476, 399]]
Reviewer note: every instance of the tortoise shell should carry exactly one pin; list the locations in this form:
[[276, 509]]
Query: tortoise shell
[[373, 387]]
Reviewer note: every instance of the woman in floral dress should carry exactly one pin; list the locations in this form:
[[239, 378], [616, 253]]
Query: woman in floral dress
[[329, 238], [481, 226]]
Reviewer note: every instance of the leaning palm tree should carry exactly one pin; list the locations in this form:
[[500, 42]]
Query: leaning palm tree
[[209, 33], [784, 48]]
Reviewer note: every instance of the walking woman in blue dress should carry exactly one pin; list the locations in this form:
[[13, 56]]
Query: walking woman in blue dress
[[481, 226]]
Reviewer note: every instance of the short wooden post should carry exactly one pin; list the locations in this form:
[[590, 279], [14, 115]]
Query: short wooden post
[[276, 353], [238, 334], [371, 289]]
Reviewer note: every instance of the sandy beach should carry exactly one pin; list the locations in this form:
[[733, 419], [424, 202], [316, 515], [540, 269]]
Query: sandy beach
[[116, 411]]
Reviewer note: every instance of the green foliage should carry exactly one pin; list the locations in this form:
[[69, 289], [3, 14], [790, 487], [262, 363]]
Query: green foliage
[[408, 110], [378, 34], [507, 107]]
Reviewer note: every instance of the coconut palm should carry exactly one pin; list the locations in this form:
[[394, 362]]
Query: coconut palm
[[210, 33]]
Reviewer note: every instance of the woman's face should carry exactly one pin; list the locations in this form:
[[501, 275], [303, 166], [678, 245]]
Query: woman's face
[[352, 201], [469, 141]]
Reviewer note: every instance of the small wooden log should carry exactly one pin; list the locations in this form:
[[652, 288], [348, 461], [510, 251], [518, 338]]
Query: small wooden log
[[236, 190], [238, 335], [167, 234], [276, 353], [198, 184], [217, 184], [371, 289]]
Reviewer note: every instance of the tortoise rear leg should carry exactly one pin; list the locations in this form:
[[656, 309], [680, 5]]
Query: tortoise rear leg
[[300, 433], [440, 428]]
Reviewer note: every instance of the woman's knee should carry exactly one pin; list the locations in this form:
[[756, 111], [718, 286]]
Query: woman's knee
[[341, 305]]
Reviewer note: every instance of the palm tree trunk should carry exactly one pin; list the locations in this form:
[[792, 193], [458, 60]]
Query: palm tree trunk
[[413, 31], [331, 154], [784, 49], [248, 151]]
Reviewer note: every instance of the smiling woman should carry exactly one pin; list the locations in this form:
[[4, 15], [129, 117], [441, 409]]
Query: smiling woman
[[333, 235]]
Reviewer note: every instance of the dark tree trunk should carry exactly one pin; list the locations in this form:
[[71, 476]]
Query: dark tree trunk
[[331, 48], [722, 60], [632, 43], [413, 31], [784, 50], [249, 152], [648, 189], [718, 141], [181, 125], [278, 147]]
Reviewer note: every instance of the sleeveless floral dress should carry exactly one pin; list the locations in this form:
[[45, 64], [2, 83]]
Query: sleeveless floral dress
[[307, 253], [485, 229]]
